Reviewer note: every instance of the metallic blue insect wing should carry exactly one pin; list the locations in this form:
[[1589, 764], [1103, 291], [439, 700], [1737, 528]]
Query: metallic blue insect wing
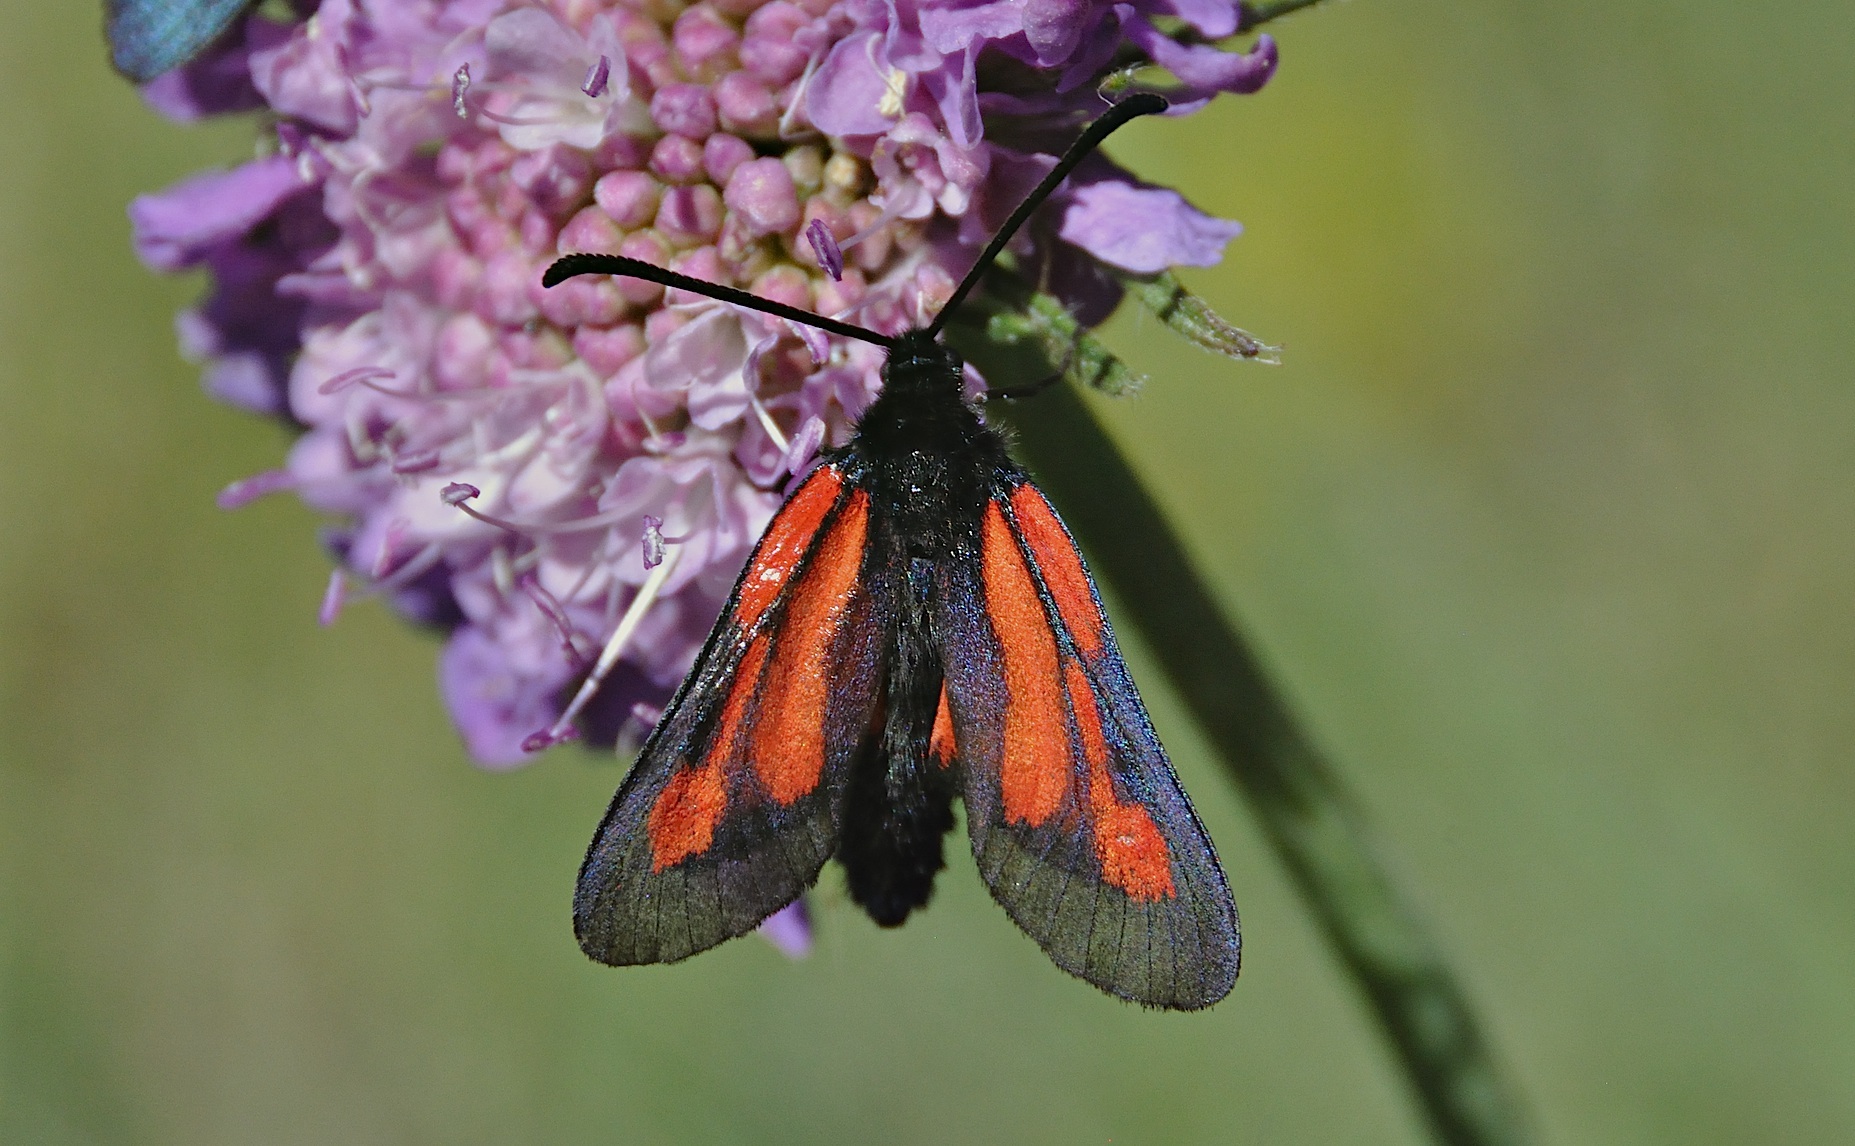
[[149, 37]]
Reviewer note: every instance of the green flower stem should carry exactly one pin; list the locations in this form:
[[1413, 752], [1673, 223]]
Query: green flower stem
[[1316, 829]]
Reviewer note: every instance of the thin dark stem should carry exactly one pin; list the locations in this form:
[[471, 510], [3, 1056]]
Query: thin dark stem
[[567, 266], [1132, 107], [1305, 811], [1251, 16]]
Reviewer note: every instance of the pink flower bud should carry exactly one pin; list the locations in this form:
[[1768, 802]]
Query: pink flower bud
[[690, 216], [770, 47], [762, 194], [746, 106], [629, 198], [677, 159], [649, 247], [722, 154], [590, 230], [607, 349], [785, 283], [684, 109], [704, 41]]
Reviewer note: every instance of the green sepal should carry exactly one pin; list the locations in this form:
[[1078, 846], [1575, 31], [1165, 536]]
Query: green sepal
[[1014, 332], [1189, 315]]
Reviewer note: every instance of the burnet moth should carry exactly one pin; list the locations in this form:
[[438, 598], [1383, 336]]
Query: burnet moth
[[915, 625]]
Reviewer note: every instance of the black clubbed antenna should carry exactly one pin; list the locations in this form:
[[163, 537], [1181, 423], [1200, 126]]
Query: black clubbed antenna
[[567, 266], [1133, 107]]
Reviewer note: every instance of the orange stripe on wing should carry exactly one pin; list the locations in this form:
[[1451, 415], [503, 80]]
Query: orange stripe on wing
[[787, 742], [784, 544], [940, 743], [1034, 774], [1061, 567], [1132, 853], [682, 821]]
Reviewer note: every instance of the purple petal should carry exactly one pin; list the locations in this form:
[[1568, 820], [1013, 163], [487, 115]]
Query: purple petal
[[703, 357], [1099, 46], [494, 708], [1215, 19], [1206, 70], [957, 93], [789, 929], [1144, 229], [952, 30], [246, 379], [530, 40], [218, 81], [1054, 28], [847, 90], [175, 228], [307, 76], [1089, 290], [816, 344], [804, 445]]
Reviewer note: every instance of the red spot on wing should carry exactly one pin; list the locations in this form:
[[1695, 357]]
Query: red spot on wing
[[683, 820], [1061, 566], [784, 544], [1132, 853], [1034, 774], [787, 742], [940, 744]]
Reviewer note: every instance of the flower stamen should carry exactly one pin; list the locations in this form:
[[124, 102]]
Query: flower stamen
[[359, 376], [408, 571], [458, 495], [244, 491], [389, 548], [552, 610], [778, 436], [332, 597], [562, 729], [824, 245], [502, 571], [655, 539], [597, 77]]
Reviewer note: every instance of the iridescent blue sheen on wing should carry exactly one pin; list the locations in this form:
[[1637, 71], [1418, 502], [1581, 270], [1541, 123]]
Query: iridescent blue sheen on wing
[[149, 37]]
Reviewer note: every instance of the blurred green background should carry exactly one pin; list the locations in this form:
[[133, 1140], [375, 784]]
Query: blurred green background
[[1546, 527]]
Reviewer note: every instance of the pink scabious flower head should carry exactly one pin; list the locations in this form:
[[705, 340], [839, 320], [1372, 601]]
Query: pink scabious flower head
[[572, 477]]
